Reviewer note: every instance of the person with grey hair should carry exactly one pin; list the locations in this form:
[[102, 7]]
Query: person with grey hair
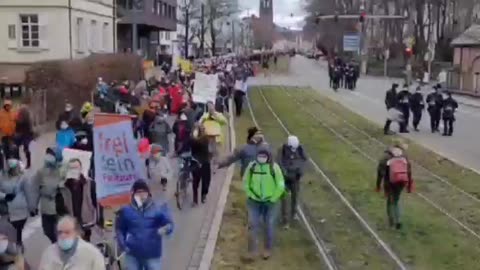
[[71, 251]]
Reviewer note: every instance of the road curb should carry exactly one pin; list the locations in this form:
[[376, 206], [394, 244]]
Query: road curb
[[209, 250]]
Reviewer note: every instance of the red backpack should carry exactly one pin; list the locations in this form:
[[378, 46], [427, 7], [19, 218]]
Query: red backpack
[[398, 170]]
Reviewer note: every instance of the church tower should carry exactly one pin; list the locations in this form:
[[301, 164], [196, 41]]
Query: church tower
[[266, 19]]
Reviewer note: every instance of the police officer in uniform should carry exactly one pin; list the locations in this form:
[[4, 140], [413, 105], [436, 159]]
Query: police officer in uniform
[[403, 98], [449, 107], [390, 102], [434, 102], [417, 105]]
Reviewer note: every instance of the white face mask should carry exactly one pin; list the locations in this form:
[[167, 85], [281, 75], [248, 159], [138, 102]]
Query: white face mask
[[3, 246], [195, 133], [73, 174], [63, 126], [84, 141], [138, 201], [262, 159], [68, 108], [183, 117]]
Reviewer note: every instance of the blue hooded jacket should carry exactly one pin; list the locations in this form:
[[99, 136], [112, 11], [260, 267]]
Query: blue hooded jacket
[[137, 229], [65, 139]]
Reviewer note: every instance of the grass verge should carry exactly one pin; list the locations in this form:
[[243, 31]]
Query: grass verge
[[293, 250], [429, 239]]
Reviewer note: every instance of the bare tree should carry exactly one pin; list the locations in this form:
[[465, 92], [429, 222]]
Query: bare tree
[[216, 10], [190, 11]]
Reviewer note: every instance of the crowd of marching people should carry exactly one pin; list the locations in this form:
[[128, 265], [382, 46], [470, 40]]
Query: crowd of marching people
[[64, 196], [404, 105]]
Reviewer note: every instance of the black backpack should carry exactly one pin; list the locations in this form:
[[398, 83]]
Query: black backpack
[[299, 149], [272, 169]]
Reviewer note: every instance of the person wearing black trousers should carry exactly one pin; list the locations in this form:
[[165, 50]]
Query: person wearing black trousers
[[403, 99], [417, 105], [202, 173], [449, 107], [435, 104]]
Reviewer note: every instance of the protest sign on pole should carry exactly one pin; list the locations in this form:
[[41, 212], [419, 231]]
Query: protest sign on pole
[[205, 88], [117, 162], [84, 157]]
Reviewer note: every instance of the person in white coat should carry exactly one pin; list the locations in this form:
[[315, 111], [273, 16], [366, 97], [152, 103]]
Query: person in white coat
[[70, 251], [159, 168]]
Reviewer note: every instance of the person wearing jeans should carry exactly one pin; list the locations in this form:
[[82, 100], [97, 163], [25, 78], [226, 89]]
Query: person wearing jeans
[[264, 184]]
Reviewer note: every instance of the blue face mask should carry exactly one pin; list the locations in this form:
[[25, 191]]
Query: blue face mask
[[66, 244]]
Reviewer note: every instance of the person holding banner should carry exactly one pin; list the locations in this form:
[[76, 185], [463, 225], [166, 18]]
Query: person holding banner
[[79, 197], [213, 121], [140, 227]]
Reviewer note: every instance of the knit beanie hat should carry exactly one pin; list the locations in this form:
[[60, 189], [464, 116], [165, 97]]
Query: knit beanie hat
[[140, 185]]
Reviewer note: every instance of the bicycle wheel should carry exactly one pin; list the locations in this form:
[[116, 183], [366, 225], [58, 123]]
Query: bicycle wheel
[[181, 192]]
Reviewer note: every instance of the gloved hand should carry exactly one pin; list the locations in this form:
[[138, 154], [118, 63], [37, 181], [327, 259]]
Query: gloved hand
[[34, 212], [9, 197]]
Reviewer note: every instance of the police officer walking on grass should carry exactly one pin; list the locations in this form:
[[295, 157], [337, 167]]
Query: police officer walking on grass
[[417, 105], [449, 107], [435, 104]]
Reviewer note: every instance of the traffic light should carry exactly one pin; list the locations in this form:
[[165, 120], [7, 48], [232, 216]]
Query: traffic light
[[408, 52], [363, 15]]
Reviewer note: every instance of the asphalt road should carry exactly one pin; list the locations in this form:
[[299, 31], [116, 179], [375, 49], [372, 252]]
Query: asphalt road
[[368, 100], [182, 250]]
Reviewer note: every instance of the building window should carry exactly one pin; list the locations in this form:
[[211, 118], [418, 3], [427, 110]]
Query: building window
[[79, 34], [105, 36], [30, 31], [158, 6], [93, 35], [167, 35], [164, 9], [161, 35]]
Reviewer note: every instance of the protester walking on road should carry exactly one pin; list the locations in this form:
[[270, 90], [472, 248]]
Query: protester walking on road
[[159, 169], [70, 117], [16, 196], [139, 228], [394, 171], [417, 105], [246, 153], [7, 129], [78, 198], [450, 105], [213, 122], [182, 131], [65, 137], [24, 132], [435, 104], [45, 185], [391, 104], [159, 131], [264, 184], [11, 257], [292, 159], [202, 173], [71, 251]]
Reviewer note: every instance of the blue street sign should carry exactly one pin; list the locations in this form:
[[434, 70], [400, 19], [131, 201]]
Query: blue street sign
[[351, 43]]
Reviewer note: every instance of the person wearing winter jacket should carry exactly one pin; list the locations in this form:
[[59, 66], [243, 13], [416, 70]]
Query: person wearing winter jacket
[[159, 131], [395, 172], [7, 129], [14, 191], [65, 137], [140, 227], [71, 251], [11, 257], [159, 169], [24, 132], [45, 189], [246, 153], [78, 197], [292, 159], [70, 117], [264, 186], [182, 130]]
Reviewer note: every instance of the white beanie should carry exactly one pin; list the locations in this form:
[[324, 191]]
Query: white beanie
[[293, 141]]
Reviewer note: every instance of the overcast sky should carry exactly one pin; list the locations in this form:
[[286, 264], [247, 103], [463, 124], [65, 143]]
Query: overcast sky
[[282, 10]]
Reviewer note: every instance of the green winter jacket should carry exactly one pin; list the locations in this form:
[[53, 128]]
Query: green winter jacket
[[261, 184]]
